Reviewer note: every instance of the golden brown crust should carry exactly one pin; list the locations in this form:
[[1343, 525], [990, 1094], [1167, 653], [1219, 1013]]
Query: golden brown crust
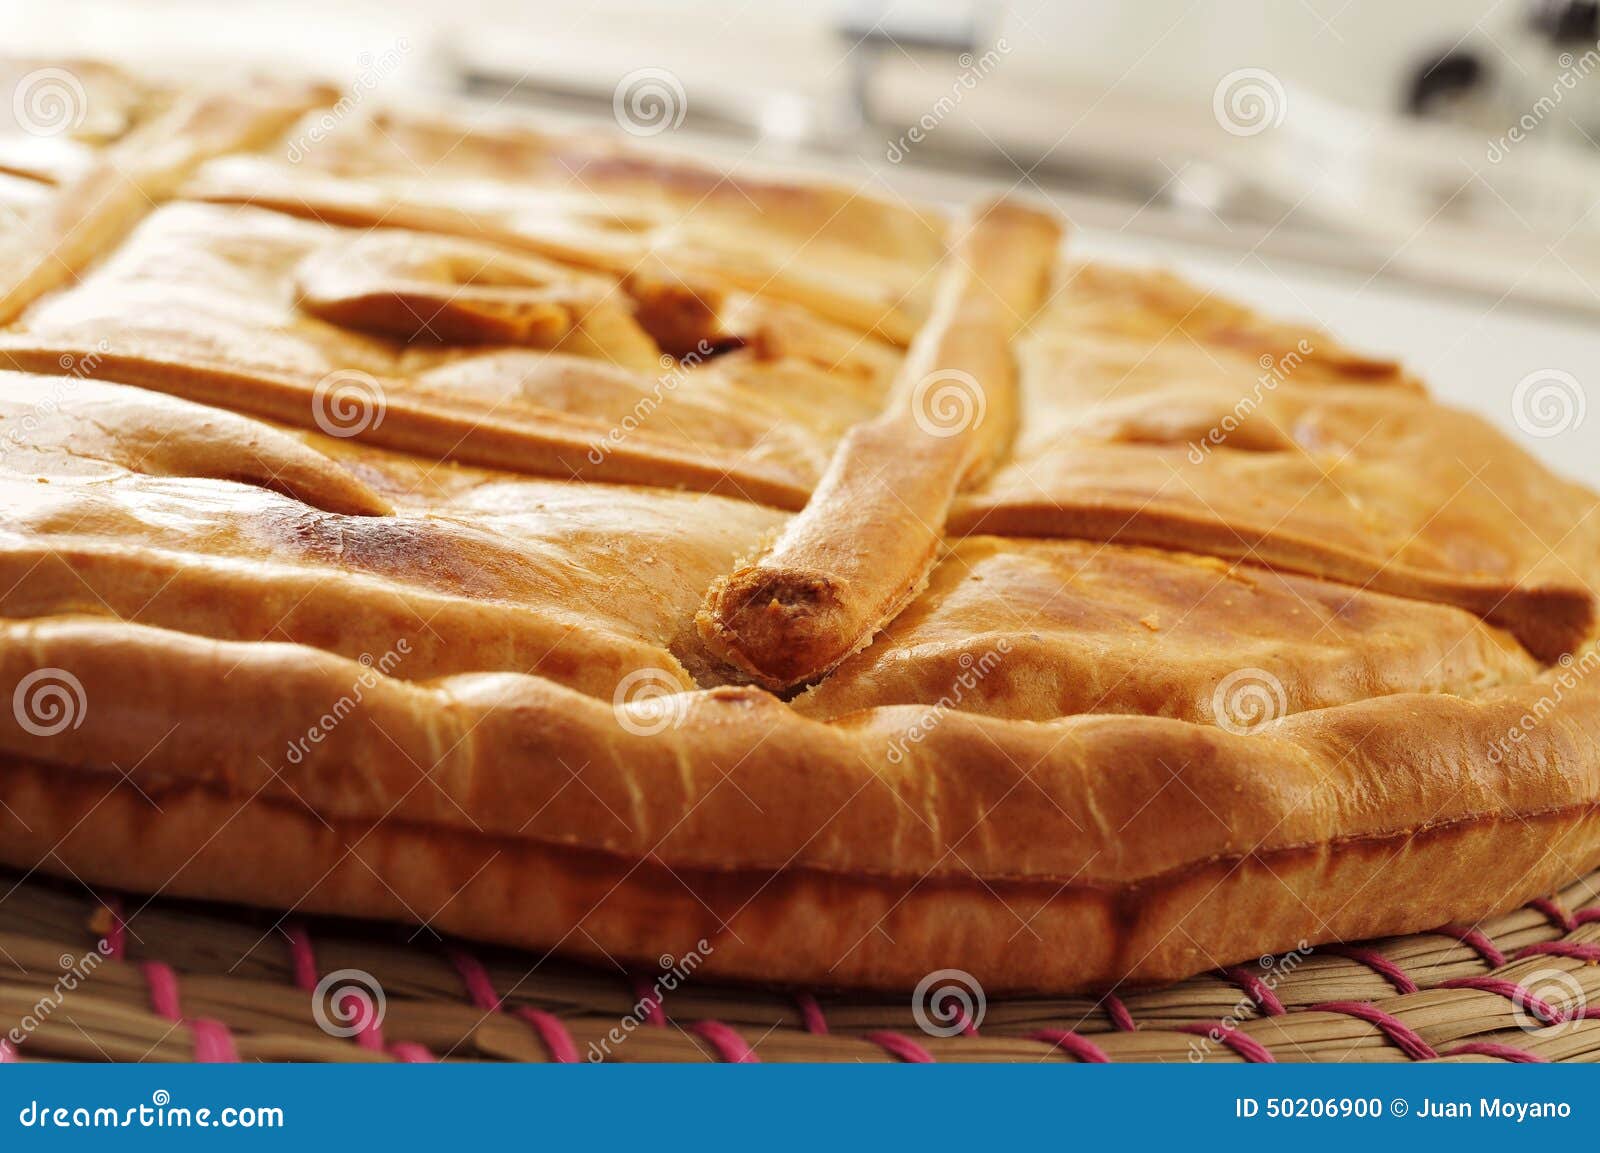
[[208, 303], [63, 428], [95, 207], [550, 444], [861, 548], [1293, 458], [133, 504], [794, 926], [1551, 620], [415, 287], [869, 793], [62, 113], [1035, 630], [848, 257], [1291, 679]]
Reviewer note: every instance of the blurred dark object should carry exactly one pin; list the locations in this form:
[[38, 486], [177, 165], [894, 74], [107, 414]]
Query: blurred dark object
[[868, 28], [1532, 74], [1566, 22], [1445, 79]]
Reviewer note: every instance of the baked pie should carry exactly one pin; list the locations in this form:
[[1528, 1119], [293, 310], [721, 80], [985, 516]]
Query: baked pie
[[420, 517]]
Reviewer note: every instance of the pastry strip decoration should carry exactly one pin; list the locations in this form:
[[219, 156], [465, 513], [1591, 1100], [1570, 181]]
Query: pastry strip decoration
[[863, 545], [411, 286], [89, 213]]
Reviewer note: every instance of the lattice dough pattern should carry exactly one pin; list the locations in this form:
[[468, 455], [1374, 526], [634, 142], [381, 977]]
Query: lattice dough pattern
[[571, 547]]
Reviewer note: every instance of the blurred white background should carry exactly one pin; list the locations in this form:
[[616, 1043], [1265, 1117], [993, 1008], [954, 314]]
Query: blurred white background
[[1420, 177]]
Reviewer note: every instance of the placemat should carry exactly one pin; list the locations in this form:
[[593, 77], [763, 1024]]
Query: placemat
[[102, 976]]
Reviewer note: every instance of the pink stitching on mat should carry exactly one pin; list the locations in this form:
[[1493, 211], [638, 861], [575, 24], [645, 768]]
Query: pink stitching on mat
[[1476, 940], [302, 959], [1554, 913], [1074, 1045], [163, 985], [727, 1043], [1256, 989], [811, 1014], [722, 1037], [303, 972], [549, 1028], [1121, 1019], [1491, 1049], [1587, 953], [1586, 916], [370, 1033], [1403, 1036], [1511, 991], [900, 1047], [476, 979], [213, 1041], [1377, 962], [303, 966], [959, 1017], [411, 1053], [644, 994], [8, 1052], [552, 1032], [1247, 1047]]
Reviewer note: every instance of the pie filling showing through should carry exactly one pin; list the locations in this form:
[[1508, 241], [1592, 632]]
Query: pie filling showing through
[[575, 547]]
